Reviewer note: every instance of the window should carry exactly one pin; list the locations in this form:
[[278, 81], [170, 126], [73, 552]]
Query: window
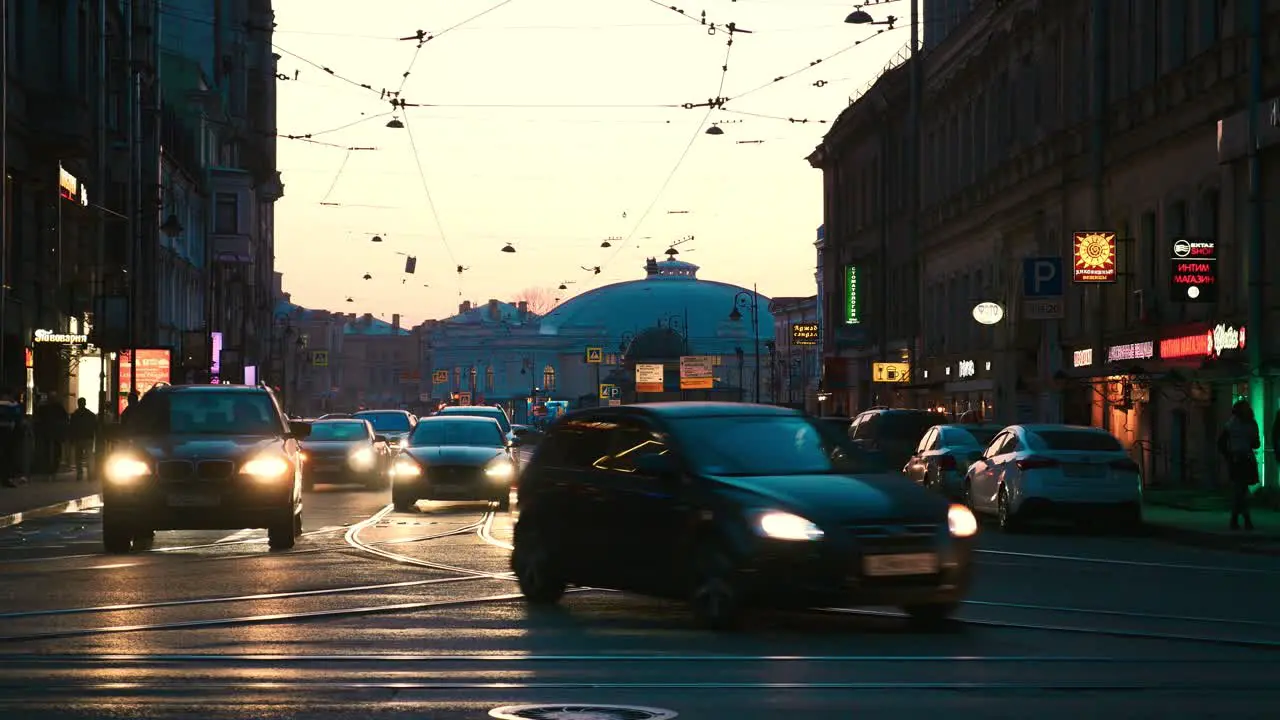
[[488, 379], [208, 413], [928, 441], [386, 421], [578, 443], [1079, 441], [631, 440], [339, 431], [549, 379], [436, 432], [226, 214]]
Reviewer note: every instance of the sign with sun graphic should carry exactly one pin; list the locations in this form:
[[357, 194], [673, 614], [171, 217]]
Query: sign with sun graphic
[[1094, 257]]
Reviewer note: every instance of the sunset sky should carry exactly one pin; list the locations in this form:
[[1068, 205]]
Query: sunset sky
[[551, 125]]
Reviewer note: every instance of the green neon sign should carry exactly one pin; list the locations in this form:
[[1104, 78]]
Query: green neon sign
[[852, 295]]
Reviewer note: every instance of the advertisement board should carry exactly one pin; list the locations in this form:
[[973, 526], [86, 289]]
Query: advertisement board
[[1094, 257], [649, 377], [153, 367], [1193, 271]]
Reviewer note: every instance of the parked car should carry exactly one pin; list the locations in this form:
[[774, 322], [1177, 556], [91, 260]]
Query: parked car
[[945, 452], [895, 432]]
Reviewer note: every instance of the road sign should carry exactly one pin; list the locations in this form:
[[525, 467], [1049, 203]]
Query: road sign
[[320, 358], [464, 398], [1042, 277], [1043, 309], [609, 391], [595, 355], [440, 377]]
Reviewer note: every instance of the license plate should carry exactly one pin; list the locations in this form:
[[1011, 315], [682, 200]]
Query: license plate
[[188, 500], [893, 565], [1084, 470], [324, 467]]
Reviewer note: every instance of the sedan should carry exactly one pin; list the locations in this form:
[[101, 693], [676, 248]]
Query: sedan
[[345, 451], [458, 457], [394, 425], [942, 459], [731, 505], [1031, 472]]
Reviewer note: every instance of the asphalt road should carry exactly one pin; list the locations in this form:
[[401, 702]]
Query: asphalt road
[[383, 614]]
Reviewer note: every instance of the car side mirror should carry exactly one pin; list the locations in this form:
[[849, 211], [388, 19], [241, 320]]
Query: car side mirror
[[299, 431], [515, 442], [379, 438], [657, 465]]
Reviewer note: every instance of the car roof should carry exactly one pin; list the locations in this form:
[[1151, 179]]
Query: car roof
[[901, 411], [458, 419], [966, 426], [339, 420], [1050, 427], [470, 408], [209, 388], [388, 410], [669, 410]]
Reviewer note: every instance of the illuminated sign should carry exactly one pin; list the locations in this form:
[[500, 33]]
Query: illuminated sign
[[988, 313], [804, 333], [852, 296], [888, 372], [49, 336], [967, 369], [1132, 351], [69, 187], [1227, 338], [1193, 274], [649, 377], [1082, 358], [1094, 257]]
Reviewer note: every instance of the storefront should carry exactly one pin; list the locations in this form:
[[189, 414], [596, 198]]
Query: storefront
[[962, 385]]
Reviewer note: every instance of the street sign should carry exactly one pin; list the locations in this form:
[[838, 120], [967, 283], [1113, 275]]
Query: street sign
[[320, 358], [1043, 309], [890, 372], [1042, 277], [609, 391], [595, 355], [464, 398], [440, 377]]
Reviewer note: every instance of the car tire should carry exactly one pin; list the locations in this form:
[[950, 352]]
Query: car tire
[[535, 567], [716, 597], [1007, 518], [143, 539], [284, 535], [504, 502], [934, 616], [117, 537]]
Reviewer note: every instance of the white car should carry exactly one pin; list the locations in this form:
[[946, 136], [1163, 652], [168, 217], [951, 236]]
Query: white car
[[1031, 472]]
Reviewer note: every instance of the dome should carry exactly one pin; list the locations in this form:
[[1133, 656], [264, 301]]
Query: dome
[[657, 343], [669, 293]]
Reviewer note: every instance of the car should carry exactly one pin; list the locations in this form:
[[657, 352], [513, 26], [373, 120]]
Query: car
[[203, 457], [345, 451], [491, 411], [942, 459], [1037, 472], [454, 457], [732, 506], [895, 432], [394, 425]]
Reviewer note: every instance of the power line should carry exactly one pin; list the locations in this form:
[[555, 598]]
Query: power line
[[426, 189], [810, 66], [773, 117], [310, 135], [423, 38]]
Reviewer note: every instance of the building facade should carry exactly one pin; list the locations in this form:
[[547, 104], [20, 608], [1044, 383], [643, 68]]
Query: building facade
[[1040, 121], [795, 363]]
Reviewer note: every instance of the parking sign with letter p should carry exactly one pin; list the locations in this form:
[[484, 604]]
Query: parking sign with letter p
[[1042, 277]]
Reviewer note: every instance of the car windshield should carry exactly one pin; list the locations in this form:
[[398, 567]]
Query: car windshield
[[908, 427], [386, 421], [496, 414], [436, 432], [339, 431], [968, 437], [744, 445], [208, 413], [1079, 440]]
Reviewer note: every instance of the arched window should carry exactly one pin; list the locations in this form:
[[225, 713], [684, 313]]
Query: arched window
[[549, 379], [473, 378], [488, 379]]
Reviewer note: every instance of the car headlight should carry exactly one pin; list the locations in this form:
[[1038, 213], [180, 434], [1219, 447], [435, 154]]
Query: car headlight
[[501, 470], [961, 521], [786, 526], [406, 468], [362, 458], [124, 469], [267, 467], [302, 456]]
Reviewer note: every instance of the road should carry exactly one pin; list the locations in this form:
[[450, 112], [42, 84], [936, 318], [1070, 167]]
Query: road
[[412, 615]]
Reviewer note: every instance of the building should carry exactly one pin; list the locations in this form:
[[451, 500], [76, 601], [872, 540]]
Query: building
[[379, 364], [589, 345], [1040, 121], [795, 368]]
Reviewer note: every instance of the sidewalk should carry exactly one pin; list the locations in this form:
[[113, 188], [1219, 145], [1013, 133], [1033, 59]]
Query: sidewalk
[[40, 497], [1201, 518]]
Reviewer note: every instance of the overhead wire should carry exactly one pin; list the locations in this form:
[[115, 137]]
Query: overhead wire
[[808, 67], [353, 123], [426, 189]]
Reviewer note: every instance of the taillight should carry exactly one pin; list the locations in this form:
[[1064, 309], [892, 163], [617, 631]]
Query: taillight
[[1125, 465], [946, 462], [1036, 463]]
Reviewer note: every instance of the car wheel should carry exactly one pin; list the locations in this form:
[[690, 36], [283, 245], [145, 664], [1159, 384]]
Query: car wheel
[[536, 569], [930, 617], [282, 536], [117, 537], [716, 598], [297, 525], [143, 539], [1008, 519], [504, 502]]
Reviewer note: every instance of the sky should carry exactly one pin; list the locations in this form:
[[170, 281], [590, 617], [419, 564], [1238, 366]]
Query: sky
[[553, 125]]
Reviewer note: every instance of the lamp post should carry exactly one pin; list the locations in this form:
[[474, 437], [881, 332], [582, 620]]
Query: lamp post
[[750, 301]]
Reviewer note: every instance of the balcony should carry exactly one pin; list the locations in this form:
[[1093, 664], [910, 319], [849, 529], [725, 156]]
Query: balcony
[[234, 249], [62, 125]]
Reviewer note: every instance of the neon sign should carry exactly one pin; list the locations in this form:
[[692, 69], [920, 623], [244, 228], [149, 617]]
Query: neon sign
[[1132, 351], [1210, 343], [1082, 358], [1193, 275]]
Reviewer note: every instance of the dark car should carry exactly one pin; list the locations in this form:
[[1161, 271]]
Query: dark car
[[345, 451], [893, 432], [942, 459], [489, 411], [528, 435], [454, 457], [394, 425], [204, 457], [733, 505]]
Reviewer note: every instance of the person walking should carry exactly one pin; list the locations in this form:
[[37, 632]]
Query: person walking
[[51, 421], [1237, 443], [14, 445], [82, 432]]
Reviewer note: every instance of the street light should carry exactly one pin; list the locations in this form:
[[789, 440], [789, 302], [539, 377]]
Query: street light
[[750, 301]]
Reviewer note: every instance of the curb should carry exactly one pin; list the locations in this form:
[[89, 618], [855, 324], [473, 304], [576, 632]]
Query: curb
[[1215, 541], [83, 503]]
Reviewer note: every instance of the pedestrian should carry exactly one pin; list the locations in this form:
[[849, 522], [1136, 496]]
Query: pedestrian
[[1237, 443], [82, 432], [129, 404], [14, 447], [51, 421]]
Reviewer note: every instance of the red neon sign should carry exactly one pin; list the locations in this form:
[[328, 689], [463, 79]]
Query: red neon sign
[[1186, 346]]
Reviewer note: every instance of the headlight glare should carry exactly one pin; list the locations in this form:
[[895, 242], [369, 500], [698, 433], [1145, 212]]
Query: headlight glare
[[123, 469], [362, 458], [961, 521], [267, 467], [406, 468], [786, 526], [501, 470]]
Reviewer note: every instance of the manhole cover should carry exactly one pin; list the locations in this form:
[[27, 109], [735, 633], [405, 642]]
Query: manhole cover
[[580, 712]]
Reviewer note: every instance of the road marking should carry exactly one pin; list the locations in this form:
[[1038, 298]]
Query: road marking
[[77, 505], [237, 536], [1126, 563]]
